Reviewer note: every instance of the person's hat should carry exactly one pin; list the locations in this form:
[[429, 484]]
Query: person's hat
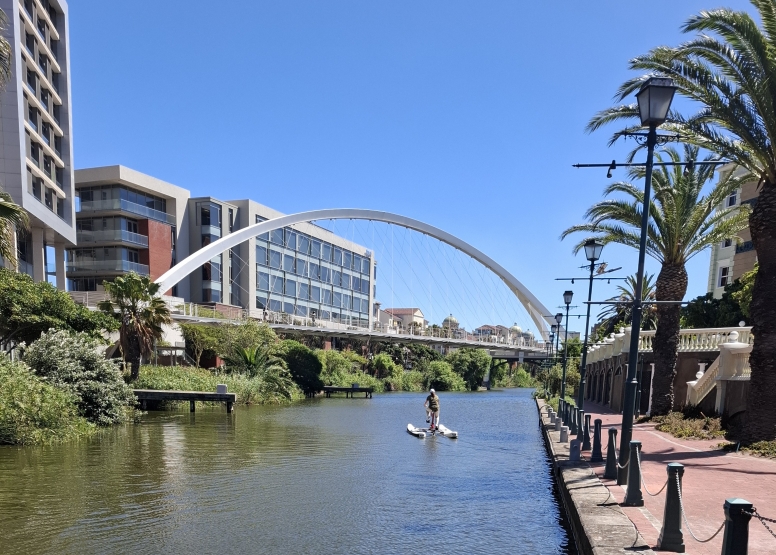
[[432, 390]]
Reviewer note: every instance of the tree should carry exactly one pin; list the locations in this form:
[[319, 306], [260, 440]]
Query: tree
[[259, 362], [304, 366], [247, 336], [683, 223], [707, 312], [744, 295], [471, 365], [141, 313], [574, 350], [729, 71], [27, 309], [440, 376], [622, 312], [200, 338]]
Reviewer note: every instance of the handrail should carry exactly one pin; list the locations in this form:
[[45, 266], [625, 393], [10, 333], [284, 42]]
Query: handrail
[[698, 389]]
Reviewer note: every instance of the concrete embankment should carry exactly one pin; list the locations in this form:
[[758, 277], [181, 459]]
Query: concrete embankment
[[597, 521]]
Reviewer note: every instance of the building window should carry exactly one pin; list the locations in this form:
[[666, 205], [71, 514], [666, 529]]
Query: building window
[[58, 144], [276, 236], [55, 80], [42, 28], [290, 239], [29, 41], [315, 270], [276, 284], [261, 256], [57, 113], [262, 281], [44, 98], [326, 252], [288, 263], [60, 207], [36, 187], [724, 277], [315, 294], [726, 243], [49, 199], [43, 63], [231, 220], [301, 267], [28, 7], [274, 259], [732, 199], [303, 244], [338, 257], [290, 288], [54, 46], [32, 80], [316, 249], [32, 117]]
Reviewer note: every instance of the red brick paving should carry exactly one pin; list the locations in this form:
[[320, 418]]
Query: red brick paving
[[710, 477]]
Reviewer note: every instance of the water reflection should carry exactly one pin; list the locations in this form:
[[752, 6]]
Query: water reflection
[[325, 476]]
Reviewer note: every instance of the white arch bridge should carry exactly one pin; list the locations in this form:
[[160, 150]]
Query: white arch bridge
[[537, 311]]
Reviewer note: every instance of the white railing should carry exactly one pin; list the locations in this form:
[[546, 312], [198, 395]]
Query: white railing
[[707, 339], [698, 389], [741, 365]]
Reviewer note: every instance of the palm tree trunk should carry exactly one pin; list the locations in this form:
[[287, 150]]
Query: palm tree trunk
[[760, 424], [133, 356], [671, 285]]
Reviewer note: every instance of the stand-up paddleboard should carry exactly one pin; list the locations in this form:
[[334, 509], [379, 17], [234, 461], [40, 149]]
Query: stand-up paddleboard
[[417, 432], [423, 432]]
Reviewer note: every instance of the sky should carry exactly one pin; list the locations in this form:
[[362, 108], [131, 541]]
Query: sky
[[465, 115]]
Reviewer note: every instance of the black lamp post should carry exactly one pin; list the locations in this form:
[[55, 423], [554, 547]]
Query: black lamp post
[[559, 319], [593, 250], [567, 296], [553, 333], [654, 100]]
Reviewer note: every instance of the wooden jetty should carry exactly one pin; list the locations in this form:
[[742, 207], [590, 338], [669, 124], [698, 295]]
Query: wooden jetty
[[349, 391], [145, 395]]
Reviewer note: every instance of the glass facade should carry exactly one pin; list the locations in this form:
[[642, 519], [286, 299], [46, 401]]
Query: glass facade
[[119, 197], [303, 276]]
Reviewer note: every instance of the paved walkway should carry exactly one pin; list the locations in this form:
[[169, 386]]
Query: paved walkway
[[710, 477]]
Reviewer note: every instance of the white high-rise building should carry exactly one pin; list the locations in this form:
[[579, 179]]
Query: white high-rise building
[[36, 159]]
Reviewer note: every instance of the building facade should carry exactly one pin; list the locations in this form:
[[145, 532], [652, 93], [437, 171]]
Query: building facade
[[37, 153], [129, 221], [734, 256]]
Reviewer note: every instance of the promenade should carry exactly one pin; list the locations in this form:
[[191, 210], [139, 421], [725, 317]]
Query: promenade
[[711, 476]]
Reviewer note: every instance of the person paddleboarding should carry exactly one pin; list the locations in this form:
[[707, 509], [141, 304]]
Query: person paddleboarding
[[432, 409]]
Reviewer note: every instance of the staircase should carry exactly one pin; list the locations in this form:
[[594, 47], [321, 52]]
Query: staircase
[[697, 390]]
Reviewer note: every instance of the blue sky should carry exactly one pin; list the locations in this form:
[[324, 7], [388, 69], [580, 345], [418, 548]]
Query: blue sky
[[466, 115]]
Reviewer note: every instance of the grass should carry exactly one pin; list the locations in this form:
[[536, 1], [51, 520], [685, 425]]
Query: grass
[[554, 400], [250, 391], [689, 427], [761, 448]]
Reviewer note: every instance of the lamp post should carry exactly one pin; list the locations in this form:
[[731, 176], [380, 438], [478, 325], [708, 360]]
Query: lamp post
[[593, 250], [567, 296], [553, 333], [654, 100], [559, 319]]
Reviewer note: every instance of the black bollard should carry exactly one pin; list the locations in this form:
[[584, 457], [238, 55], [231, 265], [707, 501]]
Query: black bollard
[[610, 472], [580, 426], [736, 538], [633, 496], [586, 436], [671, 537], [597, 455], [573, 421]]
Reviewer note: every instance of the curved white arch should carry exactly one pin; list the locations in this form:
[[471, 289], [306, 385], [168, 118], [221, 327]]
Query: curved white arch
[[535, 309]]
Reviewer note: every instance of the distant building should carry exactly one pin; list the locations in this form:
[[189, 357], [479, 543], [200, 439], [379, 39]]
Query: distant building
[[734, 256], [408, 317]]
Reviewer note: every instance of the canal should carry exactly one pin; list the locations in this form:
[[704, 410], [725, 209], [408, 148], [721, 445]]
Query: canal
[[324, 476]]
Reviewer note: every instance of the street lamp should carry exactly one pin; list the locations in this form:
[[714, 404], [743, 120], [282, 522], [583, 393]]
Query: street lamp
[[566, 299], [593, 249], [559, 319], [553, 332], [654, 100]]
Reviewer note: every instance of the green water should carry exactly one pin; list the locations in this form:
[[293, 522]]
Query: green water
[[324, 476]]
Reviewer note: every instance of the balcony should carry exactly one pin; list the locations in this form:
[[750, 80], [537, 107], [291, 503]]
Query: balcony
[[122, 266], [126, 206], [111, 236]]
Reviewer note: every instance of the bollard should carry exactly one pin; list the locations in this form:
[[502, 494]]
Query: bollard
[[551, 416], [596, 455], [611, 455], [564, 434], [558, 424], [580, 426], [586, 436], [573, 421], [633, 497], [560, 407], [671, 537], [574, 452], [736, 538]]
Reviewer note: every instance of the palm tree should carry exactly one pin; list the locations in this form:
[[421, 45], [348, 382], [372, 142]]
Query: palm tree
[[135, 300], [260, 362], [6, 52], [729, 70], [683, 222], [12, 218], [622, 312]]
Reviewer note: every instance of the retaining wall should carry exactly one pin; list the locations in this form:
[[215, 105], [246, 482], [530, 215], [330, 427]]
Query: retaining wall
[[599, 526]]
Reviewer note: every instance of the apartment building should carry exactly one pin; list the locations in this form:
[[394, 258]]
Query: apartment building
[[733, 257], [35, 122], [126, 221]]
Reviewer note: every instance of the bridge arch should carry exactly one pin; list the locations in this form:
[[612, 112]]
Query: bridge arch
[[538, 312]]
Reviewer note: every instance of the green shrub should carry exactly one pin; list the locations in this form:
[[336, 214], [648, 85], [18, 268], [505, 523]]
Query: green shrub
[[342, 371], [676, 424], [250, 391], [304, 366], [440, 376], [412, 381], [33, 411], [471, 365], [76, 363], [519, 378]]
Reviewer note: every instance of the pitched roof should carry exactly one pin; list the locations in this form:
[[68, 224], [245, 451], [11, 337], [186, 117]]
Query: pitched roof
[[403, 311]]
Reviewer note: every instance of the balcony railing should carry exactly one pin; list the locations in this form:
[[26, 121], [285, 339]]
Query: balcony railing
[[107, 266], [126, 206], [111, 235]]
